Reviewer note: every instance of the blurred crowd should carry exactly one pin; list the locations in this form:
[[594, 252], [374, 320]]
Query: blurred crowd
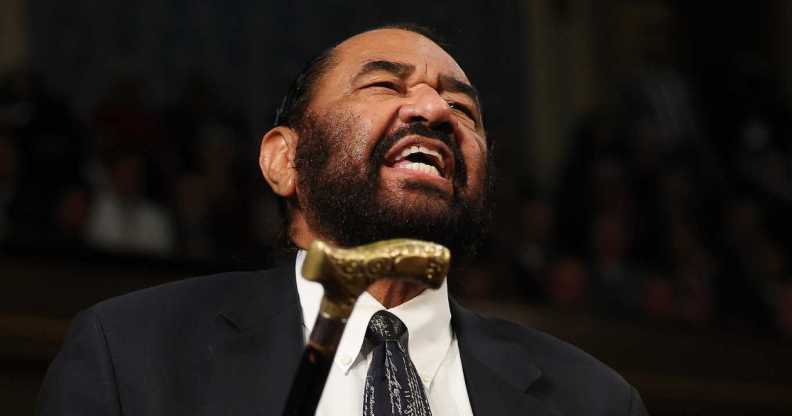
[[672, 207], [662, 212], [167, 182]]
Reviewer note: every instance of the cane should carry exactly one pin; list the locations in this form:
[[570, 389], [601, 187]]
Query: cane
[[345, 274]]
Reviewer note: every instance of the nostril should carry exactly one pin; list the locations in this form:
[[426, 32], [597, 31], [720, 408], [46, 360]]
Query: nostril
[[417, 118]]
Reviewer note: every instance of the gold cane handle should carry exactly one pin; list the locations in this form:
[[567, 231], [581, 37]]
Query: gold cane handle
[[346, 273]]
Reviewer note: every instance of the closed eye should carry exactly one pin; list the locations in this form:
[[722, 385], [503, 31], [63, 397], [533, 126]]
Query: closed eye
[[462, 108], [385, 84]]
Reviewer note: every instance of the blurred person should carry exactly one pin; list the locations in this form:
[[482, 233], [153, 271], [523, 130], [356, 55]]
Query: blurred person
[[686, 268], [696, 270], [770, 271], [568, 284], [209, 206], [123, 122], [683, 291], [382, 136], [616, 283], [625, 170], [216, 158], [8, 182], [71, 217], [266, 224], [191, 211], [534, 247], [741, 292], [199, 109], [47, 138], [475, 282], [217, 164], [750, 119], [595, 143], [784, 309], [122, 218], [210, 211], [659, 298], [750, 116], [768, 175]]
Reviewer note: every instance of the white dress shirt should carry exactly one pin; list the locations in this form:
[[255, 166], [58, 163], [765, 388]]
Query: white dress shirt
[[432, 347]]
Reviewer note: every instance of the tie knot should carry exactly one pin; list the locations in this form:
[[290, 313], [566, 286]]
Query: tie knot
[[385, 326]]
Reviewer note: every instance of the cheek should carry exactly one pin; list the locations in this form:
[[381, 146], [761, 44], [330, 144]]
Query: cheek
[[474, 150], [377, 116], [368, 128]]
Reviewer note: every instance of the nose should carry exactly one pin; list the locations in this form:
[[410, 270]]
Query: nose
[[427, 106]]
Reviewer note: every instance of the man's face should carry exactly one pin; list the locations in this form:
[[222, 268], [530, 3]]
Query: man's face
[[393, 146]]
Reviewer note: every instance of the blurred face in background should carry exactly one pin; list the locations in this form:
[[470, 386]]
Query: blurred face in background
[[393, 146], [8, 161], [127, 179]]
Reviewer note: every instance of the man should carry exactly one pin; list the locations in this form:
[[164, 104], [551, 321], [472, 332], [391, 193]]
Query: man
[[381, 137]]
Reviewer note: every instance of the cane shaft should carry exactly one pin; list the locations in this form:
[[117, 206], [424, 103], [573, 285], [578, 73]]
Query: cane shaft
[[314, 367]]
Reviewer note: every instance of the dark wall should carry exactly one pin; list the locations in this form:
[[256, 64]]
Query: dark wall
[[253, 49]]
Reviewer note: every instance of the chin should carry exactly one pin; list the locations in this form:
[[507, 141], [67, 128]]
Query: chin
[[429, 203]]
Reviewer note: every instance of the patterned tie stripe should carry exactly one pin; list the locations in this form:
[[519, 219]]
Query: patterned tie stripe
[[393, 387]]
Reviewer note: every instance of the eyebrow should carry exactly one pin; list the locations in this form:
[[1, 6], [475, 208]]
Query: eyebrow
[[452, 84], [403, 70], [398, 69]]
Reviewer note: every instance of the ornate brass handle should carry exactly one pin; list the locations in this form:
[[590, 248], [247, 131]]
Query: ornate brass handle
[[346, 273]]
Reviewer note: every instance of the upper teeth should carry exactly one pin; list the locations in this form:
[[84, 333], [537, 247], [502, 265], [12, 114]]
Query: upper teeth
[[420, 149]]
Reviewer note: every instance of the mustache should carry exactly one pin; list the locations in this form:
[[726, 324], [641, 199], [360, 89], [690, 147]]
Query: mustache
[[442, 133]]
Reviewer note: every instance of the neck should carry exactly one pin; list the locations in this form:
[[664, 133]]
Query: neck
[[391, 293]]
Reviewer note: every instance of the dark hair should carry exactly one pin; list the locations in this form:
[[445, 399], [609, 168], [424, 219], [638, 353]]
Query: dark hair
[[295, 103]]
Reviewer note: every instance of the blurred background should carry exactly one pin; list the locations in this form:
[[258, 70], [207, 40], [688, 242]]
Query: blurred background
[[644, 171]]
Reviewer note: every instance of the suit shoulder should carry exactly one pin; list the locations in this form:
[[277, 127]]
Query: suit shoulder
[[191, 289], [185, 300], [567, 378], [552, 355], [545, 344]]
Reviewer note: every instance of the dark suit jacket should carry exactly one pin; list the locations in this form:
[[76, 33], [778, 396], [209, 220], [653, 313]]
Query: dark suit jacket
[[229, 344]]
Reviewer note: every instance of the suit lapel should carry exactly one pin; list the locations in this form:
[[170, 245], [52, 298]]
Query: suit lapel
[[254, 361], [498, 370], [261, 342]]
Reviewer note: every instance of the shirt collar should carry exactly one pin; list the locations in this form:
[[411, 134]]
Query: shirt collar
[[427, 317]]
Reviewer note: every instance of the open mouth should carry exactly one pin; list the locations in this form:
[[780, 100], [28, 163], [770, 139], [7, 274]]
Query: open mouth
[[430, 157]]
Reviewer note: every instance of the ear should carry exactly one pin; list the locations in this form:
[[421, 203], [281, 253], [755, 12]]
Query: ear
[[276, 160]]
